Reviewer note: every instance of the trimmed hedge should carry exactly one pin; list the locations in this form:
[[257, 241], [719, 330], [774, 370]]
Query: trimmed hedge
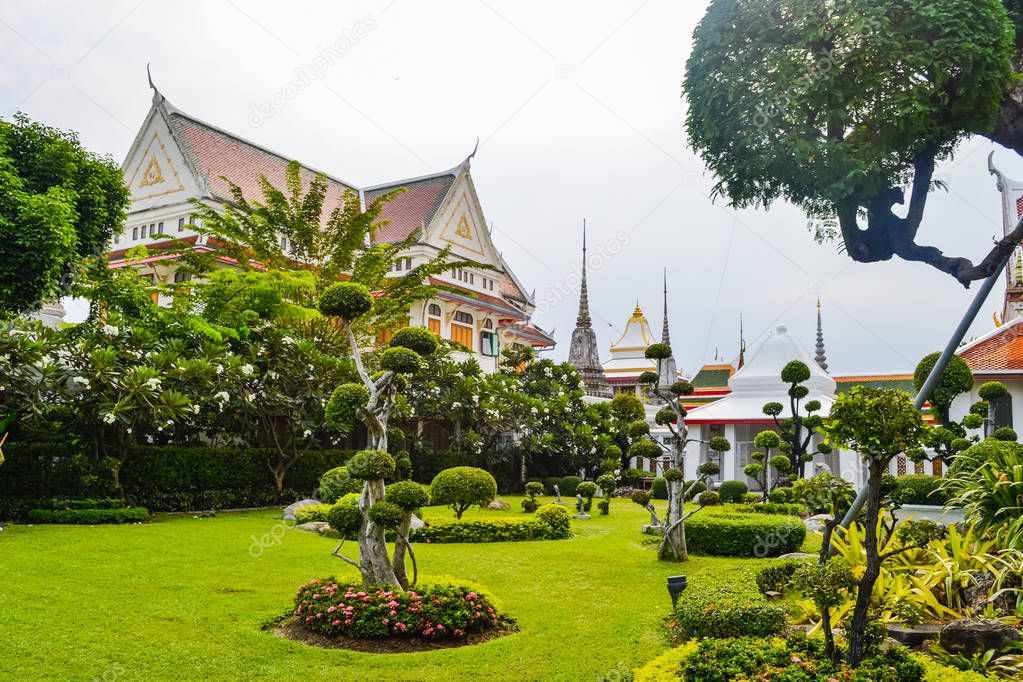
[[103, 503], [776, 576], [744, 535], [161, 478], [496, 530], [729, 608], [659, 489], [89, 516], [920, 489], [568, 485], [788, 509], [312, 512]]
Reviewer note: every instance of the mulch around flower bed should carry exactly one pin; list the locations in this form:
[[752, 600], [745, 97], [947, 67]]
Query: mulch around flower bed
[[293, 630]]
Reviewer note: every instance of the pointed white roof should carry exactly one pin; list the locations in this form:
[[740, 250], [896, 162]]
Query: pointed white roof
[[759, 382], [637, 334]]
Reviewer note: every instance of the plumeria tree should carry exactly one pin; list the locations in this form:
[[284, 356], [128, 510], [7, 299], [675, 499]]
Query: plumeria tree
[[673, 416]]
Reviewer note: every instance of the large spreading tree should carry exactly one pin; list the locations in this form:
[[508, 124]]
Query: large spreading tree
[[842, 107]]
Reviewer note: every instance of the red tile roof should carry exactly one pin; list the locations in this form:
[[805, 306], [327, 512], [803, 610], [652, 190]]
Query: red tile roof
[[413, 208], [1000, 350]]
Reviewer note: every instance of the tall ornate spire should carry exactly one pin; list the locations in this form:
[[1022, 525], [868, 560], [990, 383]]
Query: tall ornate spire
[[665, 336], [820, 356], [667, 369], [742, 346], [583, 320], [583, 353]]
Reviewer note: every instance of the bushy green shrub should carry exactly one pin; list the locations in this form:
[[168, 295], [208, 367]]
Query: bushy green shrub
[[568, 485], [744, 535], [775, 576], [550, 482], [88, 503], [347, 300], [659, 489], [336, 483], [408, 495], [312, 512], [708, 498], [533, 490], [432, 612], [489, 530], [791, 509], [557, 519], [400, 360], [797, 658], [730, 608], [920, 489], [780, 495], [697, 488], [344, 404], [732, 491], [385, 514], [371, 464], [89, 516], [418, 339], [463, 487], [345, 517]]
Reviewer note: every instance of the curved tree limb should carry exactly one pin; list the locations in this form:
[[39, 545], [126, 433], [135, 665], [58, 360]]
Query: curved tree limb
[[337, 553]]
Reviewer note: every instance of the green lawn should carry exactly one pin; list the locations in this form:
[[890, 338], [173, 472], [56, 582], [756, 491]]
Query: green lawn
[[184, 598]]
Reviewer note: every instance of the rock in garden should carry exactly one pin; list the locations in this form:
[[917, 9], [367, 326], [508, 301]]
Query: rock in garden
[[816, 523], [976, 635], [314, 527], [499, 505], [798, 555], [417, 522], [289, 511]]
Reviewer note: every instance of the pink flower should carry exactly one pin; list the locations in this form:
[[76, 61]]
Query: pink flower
[[335, 623], [470, 596]]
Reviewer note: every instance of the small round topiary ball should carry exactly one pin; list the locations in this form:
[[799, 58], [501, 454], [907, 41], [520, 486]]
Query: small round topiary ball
[[673, 474], [658, 351], [408, 495], [347, 300], [682, 388], [645, 449], [401, 361], [422, 341], [345, 516], [664, 416], [1005, 433], [648, 378], [795, 372], [371, 465], [640, 497], [587, 489], [344, 404], [336, 483], [386, 514]]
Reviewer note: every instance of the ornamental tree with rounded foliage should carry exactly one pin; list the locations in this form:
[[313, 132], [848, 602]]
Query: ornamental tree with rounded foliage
[[421, 341], [797, 431], [955, 379], [463, 487], [347, 300], [837, 107]]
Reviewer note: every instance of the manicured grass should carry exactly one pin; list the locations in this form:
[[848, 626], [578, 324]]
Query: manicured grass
[[184, 598]]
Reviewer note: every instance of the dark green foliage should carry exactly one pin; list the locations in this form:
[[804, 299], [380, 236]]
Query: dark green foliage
[[920, 489], [795, 372], [966, 461], [344, 404], [992, 390], [61, 205], [88, 503], [385, 514], [371, 465], [1005, 433], [335, 483], [568, 485], [732, 608], [490, 530], [744, 535], [673, 474], [659, 489], [89, 516], [957, 378], [638, 428], [400, 360], [658, 351], [780, 495], [587, 489], [789, 509], [345, 516], [430, 612], [664, 416], [408, 495], [732, 491], [682, 388], [692, 490], [557, 520], [640, 497], [719, 444], [347, 300], [648, 378], [708, 498], [422, 341], [775, 577], [644, 448], [773, 409], [463, 487], [533, 489]]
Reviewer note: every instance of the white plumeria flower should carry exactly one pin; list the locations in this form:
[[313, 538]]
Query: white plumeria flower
[[110, 418], [110, 329], [222, 396], [307, 433], [153, 383], [247, 369], [220, 369]]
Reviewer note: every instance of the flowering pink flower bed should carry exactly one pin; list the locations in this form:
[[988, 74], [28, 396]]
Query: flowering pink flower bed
[[433, 612]]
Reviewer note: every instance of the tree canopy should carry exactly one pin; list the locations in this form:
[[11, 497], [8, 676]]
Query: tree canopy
[[840, 107]]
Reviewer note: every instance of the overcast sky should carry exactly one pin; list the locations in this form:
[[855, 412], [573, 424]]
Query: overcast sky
[[579, 111]]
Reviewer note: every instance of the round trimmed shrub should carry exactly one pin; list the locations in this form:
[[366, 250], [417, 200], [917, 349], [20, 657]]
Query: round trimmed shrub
[[673, 474], [587, 489], [795, 372], [648, 378], [708, 499], [347, 300], [780, 495], [462, 487], [386, 514], [407, 495], [644, 448], [732, 491], [336, 482], [698, 488], [569, 484], [658, 351], [975, 455], [638, 428], [682, 388], [345, 516], [744, 535], [422, 341], [659, 489], [1005, 433], [344, 405], [557, 519], [640, 497], [534, 488], [920, 489], [664, 416], [371, 465], [401, 361]]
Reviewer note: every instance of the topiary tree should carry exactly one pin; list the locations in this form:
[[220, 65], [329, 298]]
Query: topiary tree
[[463, 487], [371, 403], [533, 490], [407, 497], [836, 107], [796, 431], [673, 416], [956, 378], [587, 489], [879, 424], [336, 483], [607, 484]]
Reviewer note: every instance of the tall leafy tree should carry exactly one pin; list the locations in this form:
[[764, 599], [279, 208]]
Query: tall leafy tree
[[59, 207], [841, 107]]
